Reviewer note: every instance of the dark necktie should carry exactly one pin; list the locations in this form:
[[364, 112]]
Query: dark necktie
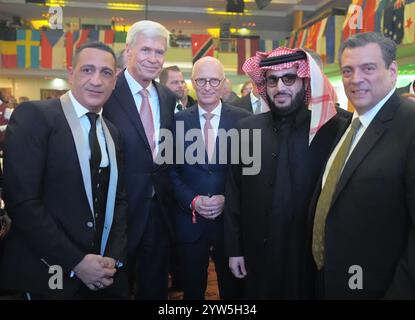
[[95, 159], [179, 107], [326, 195]]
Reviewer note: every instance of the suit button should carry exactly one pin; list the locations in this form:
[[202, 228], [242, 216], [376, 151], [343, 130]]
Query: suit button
[[275, 129], [274, 155], [209, 195], [210, 172], [89, 224], [265, 240]]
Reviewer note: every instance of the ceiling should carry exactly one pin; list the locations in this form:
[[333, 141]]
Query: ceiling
[[190, 16]]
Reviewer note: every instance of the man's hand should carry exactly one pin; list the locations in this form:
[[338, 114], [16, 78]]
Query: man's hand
[[95, 271], [237, 265], [210, 207]]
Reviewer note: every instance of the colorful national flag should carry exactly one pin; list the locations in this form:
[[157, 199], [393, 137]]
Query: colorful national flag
[[311, 40], [52, 49], [393, 21], [119, 41], [353, 17], [28, 45], [409, 22], [202, 45], [246, 47], [333, 37], [73, 40], [268, 45], [8, 50], [321, 40], [369, 15]]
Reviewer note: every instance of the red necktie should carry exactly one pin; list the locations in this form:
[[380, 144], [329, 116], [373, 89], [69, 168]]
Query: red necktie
[[146, 116], [209, 135]]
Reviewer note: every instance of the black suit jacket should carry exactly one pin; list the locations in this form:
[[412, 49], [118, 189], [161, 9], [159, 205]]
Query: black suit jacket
[[47, 201], [190, 180], [371, 220], [405, 89], [244, 103], [141, 173]]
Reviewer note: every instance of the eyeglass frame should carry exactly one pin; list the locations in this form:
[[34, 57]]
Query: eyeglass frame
[[277, 79], [206, 81]]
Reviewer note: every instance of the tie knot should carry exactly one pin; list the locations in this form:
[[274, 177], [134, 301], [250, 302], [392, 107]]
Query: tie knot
[[208, 115], [144, 93], [355, 123], [92, 117], [179, 106]]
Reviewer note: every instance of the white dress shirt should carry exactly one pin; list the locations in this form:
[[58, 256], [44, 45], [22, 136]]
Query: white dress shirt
[[214, 121], [254, 102], [365, 121], [81, 112], [135, 88]]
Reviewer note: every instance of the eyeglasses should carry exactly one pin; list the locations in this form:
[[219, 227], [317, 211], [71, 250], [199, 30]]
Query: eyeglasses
[[201, 82], [287, 79]]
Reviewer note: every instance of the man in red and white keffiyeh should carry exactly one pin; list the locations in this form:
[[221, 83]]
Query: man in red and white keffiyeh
[[266, 214], [310, 86]]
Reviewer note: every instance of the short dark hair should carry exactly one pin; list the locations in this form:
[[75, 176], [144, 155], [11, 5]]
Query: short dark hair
[[386, 45], [164, 74], [93, 45]]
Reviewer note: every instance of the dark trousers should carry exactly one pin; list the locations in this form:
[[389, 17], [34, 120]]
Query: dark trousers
[[148, 269], [194, 258]]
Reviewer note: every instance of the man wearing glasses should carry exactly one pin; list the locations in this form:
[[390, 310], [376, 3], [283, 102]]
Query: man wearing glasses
[[265, 220], [199, 187]]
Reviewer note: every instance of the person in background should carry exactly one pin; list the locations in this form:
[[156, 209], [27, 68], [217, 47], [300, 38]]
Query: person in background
[[173, 79], [251, 102], [228, 95], [246, 88]]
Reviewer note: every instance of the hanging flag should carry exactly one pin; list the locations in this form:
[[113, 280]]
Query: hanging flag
[[333, 35], [202, 45], [393, 21], [369, 15], [27, 42], [268, 45], [380, 7], [321, 40], [8, 50], [52, 49], [311, 39], [351, 25], [246, 48], [409, 22], [107, 36], [119, 41], [73, 40]]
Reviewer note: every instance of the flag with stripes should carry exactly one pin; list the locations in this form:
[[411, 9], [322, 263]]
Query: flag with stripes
[[8, 50], [119, 41], [246, 47], [202, 45], [52, 52], [28, 44], [268, 45], [73, 40]]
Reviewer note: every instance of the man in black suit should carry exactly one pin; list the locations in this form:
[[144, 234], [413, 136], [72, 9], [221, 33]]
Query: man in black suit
[[140, 107], [251, 102], [63, 190], [362, 222], [266, 213], [200, 187]]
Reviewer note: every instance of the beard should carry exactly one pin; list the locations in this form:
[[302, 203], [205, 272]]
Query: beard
[[297, 103]]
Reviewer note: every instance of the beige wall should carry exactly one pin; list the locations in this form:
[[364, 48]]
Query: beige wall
[[30, 87]]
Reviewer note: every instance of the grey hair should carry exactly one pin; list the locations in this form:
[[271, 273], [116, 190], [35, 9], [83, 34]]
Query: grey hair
[[148, 28], [386, 45]]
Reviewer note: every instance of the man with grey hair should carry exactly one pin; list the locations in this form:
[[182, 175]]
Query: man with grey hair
[[140, 107], [363, 235]]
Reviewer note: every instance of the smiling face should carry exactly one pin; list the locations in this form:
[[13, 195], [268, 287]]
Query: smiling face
[[145, 58], [93, 78], [366, 79], [208, 68]]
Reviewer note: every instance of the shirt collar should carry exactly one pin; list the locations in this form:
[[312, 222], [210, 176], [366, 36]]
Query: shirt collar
[[79, 108], [136, 87], [253, 98], [367, 118], [411, 87], [215, 111]]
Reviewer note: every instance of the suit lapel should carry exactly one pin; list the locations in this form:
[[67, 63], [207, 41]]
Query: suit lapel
[[81, 145], [126, 102], [112, 186], [166, 113], [369, 139]]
